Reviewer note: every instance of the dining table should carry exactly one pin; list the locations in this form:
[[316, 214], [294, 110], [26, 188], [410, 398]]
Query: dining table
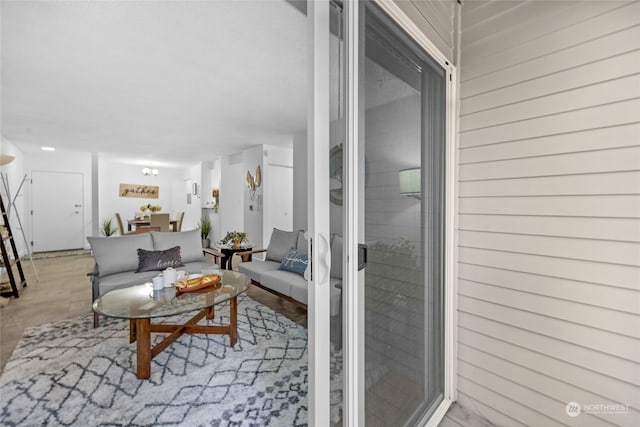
[[147, 222]]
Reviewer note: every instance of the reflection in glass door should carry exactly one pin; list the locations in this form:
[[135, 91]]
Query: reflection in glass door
[[403, 141]]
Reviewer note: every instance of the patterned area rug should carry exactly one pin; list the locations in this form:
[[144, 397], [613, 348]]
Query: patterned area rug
[[67, 373]]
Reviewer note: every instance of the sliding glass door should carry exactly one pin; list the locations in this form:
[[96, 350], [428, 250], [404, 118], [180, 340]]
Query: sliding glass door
[[403, 142], [385, 158]]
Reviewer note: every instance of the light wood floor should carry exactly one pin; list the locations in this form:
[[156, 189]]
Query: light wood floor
[[63, 291]]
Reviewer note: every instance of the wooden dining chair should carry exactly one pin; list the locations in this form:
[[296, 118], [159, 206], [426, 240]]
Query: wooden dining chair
[[160, 220], [179, 218], [123, 231]]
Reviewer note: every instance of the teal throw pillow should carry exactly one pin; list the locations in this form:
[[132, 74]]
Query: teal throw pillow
[[295, 261]]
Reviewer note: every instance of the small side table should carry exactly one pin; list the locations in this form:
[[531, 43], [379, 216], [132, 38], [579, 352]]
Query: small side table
[[223, 256], [227, 256]]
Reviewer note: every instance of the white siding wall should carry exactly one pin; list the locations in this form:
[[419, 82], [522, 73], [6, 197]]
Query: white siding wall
[[549, 210]]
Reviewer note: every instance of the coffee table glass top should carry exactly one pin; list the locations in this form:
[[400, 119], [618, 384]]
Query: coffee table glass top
[[141, 301]]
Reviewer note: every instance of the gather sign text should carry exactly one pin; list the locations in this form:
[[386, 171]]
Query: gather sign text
[[140, 191]]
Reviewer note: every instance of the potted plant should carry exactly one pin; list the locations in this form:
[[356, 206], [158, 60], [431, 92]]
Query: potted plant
[[235, 237], [107, 228], [205, 228]]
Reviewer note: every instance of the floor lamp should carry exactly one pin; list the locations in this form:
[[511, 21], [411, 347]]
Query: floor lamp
[[4, 159]]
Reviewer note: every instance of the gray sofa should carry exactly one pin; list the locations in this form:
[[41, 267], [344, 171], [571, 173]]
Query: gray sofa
[[292, 286], [117, 258]]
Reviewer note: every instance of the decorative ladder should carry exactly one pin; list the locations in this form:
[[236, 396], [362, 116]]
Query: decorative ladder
[[7, 262]]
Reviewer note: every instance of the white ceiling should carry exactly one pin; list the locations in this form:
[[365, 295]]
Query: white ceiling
[[170, 83]]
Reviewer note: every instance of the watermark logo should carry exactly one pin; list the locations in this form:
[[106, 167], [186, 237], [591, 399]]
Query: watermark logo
[[573, 409]]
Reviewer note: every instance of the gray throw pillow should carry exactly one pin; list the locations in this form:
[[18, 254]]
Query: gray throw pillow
[[158, 260], [189, 241], [118, 254], [301, 244], [280, 244]]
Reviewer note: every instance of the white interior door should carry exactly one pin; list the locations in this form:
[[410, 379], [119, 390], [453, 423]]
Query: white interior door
[[57, 211]]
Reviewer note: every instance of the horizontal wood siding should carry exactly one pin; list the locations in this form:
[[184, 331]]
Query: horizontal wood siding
[[549, 211], [436, 19]]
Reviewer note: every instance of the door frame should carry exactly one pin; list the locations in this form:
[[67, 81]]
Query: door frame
[[353, 295], [318, 15]]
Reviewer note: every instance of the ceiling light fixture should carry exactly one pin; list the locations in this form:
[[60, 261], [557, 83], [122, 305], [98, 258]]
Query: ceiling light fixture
[[48, 149], [149, 171]]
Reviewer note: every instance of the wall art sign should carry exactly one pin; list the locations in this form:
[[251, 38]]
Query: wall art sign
[[139, 191]]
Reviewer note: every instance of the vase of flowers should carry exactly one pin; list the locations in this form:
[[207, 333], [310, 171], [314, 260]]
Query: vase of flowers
[[151, 208]]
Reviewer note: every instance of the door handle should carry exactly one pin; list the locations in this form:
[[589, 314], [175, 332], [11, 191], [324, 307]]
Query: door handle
[[324, 262], [77, 206], [362, 256]]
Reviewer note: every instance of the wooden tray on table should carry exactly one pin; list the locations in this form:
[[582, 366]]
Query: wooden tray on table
[[200, 284]]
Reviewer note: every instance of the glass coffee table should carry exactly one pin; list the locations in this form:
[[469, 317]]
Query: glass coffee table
[[141, 303]]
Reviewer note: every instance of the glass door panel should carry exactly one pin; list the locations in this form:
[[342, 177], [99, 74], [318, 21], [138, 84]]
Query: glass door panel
[[403, 178], [336, 209]]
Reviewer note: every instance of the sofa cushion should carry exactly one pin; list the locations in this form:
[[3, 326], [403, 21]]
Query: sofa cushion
[[295, 261], [198, 266], [118, 254], [282, 281], [336, 256], [254, 269], [300, 290], [189, 241], [280, 244], [158, 260], [124, 280]]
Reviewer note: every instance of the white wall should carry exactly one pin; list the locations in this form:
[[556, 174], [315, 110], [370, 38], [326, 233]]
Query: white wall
[[274, 157], [232, 188], [300, 173], [549, 211], [215, 176], [253, 207], [193, 211]]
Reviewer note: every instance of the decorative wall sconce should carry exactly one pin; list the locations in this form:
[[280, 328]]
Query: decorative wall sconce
[[410, 182], [253, 182], [5, 158], [149, 171]]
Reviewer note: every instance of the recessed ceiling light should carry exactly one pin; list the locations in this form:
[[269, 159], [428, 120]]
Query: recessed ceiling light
[[48, 149]]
